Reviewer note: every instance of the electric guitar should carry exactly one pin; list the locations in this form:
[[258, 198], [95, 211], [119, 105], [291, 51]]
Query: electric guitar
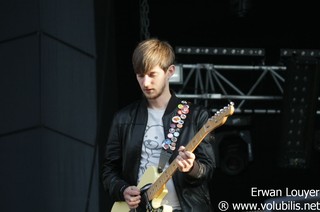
[[152, 184]]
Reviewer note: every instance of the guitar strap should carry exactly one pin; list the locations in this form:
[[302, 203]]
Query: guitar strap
[[169, 143]]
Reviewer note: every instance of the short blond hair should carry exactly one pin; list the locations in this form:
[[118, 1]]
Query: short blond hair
[[150, 53]]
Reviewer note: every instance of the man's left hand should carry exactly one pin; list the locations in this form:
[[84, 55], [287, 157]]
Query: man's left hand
[[185, 159]]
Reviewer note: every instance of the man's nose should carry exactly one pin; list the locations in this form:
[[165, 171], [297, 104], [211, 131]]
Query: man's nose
[[146, 81]]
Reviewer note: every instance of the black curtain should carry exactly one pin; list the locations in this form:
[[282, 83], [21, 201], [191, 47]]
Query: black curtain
[[116, 34], [106, 79]]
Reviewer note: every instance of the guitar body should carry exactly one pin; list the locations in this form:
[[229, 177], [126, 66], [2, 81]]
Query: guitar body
[[149, 177]]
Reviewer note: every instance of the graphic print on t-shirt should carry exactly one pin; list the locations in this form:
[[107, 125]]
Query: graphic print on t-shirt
[[152, 141], [151, 147]]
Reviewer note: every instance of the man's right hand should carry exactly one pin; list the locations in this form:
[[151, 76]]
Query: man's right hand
[[132, 196]]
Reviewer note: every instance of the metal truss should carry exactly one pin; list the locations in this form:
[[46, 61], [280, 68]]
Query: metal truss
[[254, 89]]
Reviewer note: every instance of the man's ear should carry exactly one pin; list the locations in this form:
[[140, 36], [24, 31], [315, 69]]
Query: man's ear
[[171, 71]]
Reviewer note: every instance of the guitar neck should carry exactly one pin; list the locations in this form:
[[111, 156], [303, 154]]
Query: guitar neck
[[159, 184]]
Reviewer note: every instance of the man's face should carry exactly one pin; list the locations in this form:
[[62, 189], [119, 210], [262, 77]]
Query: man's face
[[154, 82]]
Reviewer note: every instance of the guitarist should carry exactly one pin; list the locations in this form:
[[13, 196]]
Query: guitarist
[[153, 132]]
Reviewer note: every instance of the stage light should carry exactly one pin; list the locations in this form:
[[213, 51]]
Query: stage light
[[234, 149], [177, 77]]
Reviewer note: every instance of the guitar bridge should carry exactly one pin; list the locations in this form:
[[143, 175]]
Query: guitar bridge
[[145, 203]]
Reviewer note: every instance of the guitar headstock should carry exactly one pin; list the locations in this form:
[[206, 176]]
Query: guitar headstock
[[220, 117]]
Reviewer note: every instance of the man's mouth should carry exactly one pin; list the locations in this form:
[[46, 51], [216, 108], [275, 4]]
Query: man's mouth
[[148, 90]]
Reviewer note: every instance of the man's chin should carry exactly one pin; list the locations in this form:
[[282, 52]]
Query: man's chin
[[151, 96]]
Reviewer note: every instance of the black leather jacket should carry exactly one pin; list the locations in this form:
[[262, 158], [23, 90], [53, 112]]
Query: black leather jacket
[[123, 152]]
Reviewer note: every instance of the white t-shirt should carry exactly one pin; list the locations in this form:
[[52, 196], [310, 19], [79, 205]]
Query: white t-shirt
[[151, 150]]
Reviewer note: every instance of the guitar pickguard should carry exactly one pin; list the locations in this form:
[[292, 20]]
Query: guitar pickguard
[[148, 178]]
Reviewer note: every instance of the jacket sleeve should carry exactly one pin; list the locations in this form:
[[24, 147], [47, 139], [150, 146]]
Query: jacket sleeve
[[112, 163], [204, 163]]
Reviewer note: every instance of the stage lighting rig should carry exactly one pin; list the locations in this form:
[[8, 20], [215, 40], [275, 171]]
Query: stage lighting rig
[[220, 51], [300, 52]]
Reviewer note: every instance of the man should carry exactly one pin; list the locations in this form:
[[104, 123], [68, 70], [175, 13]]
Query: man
[[154, 132]]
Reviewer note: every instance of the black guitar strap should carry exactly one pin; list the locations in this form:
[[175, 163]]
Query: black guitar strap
[[164, 158], [169, 144]]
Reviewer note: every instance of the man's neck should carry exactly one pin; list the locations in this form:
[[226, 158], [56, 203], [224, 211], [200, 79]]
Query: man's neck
[[161, 102]]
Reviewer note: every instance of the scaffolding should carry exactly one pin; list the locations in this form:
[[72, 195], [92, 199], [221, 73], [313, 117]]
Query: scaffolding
[[241, 83]]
